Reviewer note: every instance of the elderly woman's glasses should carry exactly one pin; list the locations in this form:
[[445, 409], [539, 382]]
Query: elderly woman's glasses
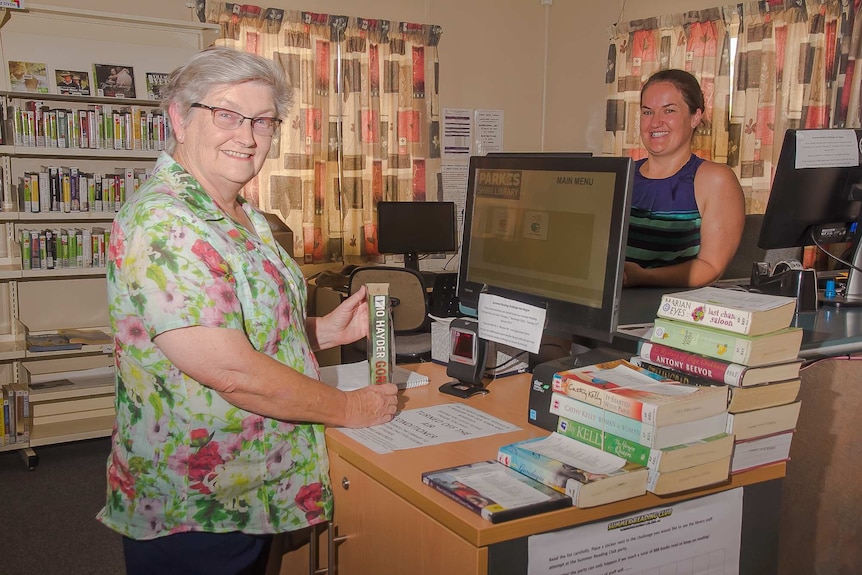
[[230, 120]]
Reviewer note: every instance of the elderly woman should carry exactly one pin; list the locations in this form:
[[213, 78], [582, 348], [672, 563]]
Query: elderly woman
[[687, 213], [219, 442]]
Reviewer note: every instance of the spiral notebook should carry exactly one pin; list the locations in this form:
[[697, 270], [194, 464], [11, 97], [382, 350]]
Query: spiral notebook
[[349, 376]]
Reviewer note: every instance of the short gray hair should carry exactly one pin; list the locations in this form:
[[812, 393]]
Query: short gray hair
[[221, 66]]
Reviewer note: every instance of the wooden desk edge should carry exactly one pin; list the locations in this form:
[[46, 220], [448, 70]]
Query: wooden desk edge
[[470, 526]]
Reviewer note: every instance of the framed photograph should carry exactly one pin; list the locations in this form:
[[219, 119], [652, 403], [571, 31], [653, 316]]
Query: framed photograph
[[73, 82], [155, 82], [114, 80], [28, 77]]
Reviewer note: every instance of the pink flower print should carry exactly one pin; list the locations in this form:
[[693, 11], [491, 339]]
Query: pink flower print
[[170, 299], [273, 272], [203, 462], [117, 246], [283, 313], [212, 317], [131, 331], [213, 260], [278, 459], [120, 476], [177, 236], [252, 427], [178, 461], [224, 297], [157, 430], [308, 499]]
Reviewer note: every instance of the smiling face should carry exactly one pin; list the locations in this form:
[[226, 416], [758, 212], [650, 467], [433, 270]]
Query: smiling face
[[223, 161], [667, 124]]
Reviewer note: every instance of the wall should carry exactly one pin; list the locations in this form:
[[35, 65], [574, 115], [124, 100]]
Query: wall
[[511, 42]]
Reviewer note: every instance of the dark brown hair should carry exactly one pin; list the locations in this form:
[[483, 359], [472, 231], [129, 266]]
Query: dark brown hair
[[687, 84]]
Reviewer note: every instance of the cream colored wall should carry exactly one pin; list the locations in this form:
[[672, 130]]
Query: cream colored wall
[[544, 66]]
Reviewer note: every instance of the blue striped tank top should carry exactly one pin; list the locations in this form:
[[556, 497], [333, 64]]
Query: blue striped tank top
[[664, 225]]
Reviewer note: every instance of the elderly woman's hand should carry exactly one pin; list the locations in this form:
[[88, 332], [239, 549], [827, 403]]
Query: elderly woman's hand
[[371, 405], [345, 324]]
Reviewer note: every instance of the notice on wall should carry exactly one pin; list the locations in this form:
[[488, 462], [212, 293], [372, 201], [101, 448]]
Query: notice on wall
[[697, 536], [489, 131], [511, 322], [457, 133]]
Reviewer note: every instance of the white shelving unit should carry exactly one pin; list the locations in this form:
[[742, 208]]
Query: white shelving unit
[[41, 300]]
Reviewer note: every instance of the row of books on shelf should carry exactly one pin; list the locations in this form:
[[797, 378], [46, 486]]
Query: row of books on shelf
[[99, 126], [64, 248], [658, 422], [64, 189]]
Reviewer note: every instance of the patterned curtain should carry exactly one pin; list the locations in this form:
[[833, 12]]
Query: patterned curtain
[[364, 125], [694, 41], [788, 67]]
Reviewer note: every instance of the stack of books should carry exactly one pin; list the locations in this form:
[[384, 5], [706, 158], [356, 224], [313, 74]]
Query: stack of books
[[744, 343], [677, 431]]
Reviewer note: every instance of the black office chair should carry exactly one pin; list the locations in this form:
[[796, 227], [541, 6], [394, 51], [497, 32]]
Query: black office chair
[[749, 252], [409, 300]]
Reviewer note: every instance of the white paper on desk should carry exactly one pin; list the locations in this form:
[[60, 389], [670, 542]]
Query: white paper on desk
[[430, 426], [696, 536], [351, 376]]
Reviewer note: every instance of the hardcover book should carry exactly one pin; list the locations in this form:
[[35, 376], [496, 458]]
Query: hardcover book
[[716, 369], [731, 310], [773, 347], [760, 422], [623, 388], [645, 434], [114, 80], [669, 482], [757, 452], [588, 475], [688, 454], [494, 491], [72, 82], [381, 340]]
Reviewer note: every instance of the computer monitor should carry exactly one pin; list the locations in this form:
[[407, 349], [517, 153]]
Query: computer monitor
[[816, 198], [414, 228], [551, 232]]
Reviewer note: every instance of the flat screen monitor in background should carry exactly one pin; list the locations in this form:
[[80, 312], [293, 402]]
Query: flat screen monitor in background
[[414, 228], [816, 198], [551, 232]]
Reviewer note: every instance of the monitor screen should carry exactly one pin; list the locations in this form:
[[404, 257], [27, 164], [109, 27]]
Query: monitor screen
[[549, 231], [413, 228], [816, 196]]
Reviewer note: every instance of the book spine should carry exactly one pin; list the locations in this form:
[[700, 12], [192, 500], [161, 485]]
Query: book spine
[[674, 374], [714, 369], [595, 395], [514, 458], [608, 442], [380, 350], [704, 313], [594, 416], [723, 345]]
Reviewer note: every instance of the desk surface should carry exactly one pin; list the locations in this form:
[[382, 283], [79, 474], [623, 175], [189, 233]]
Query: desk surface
[[827, 332], [400, 471]]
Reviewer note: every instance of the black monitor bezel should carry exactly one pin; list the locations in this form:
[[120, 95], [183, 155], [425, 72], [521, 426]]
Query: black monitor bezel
[[563, 318], [449, 243], [802, 199]]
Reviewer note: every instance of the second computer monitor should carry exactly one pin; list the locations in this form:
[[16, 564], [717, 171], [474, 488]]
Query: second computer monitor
[[414, 228]]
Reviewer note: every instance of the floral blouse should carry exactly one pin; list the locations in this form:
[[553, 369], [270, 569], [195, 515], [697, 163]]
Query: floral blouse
[[183, 458]]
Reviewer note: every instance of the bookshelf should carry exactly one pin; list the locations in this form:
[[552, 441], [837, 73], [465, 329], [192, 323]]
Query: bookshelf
[[46, 300]]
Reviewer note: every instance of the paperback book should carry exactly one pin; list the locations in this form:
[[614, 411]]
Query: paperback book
[[49, 342], [774, 347], [762, 422], [651, 436], [703, 475], [715, 369], [731, 310], [687, 454], [621, 387], [494, 491], [588, 475], [757, 452]]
